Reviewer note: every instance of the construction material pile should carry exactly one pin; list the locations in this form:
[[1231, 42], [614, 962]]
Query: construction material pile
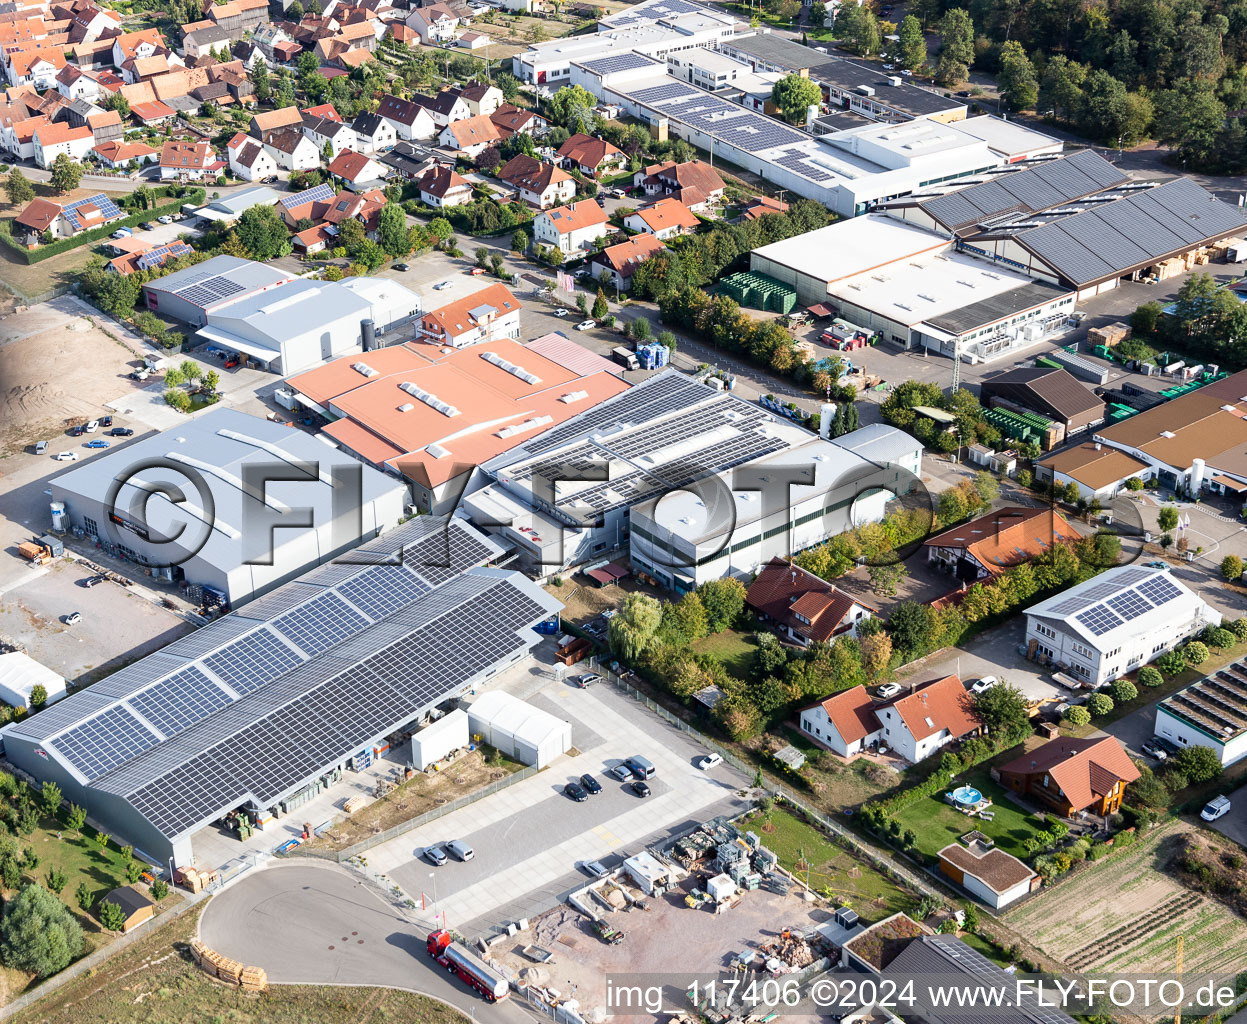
[[253, 979], [791, 948]]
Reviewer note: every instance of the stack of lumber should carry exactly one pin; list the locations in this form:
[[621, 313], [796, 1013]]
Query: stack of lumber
[[254, 979]]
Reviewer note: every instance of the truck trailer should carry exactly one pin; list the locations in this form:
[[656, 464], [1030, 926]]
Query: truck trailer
[[458, 959]]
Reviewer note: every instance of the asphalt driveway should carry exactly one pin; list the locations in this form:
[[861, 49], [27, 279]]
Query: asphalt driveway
[[1234, 825]]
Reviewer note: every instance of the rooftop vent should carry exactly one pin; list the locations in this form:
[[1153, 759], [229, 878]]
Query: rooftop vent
[[364, 368], [511, 368], [437, 451], [574, 396], [444, 408]]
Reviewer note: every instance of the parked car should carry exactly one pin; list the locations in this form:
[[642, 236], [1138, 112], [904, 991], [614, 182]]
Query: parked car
[[1217, 807], [461, 850], [587, 680], [73, 618], [621, 772], [640, 788], [586, 325], [166, 219], [576, 791], [41, 447], [147, 226], [596, 868], [440, 285], [1157, 565], [400, 266], [121, 432], [106, 421], [984, 684], [435, 855], [590, 784], [66, 456], [1154, 750], [888, 690], [76, 431], [94, 581], [560, 312], [122, 233], [99, 442], [92, 427], [1168, 745], [476, 271], [708, 761]]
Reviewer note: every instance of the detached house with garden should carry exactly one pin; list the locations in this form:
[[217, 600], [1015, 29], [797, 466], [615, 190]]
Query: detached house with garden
[[1071, 776]]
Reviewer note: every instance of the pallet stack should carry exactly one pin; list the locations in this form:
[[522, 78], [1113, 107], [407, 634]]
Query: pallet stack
[[253, 979]]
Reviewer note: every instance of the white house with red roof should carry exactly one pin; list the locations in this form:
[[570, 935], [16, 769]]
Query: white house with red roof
[[248, 159], [355, 170], [801, 607], [486, 315], [844, 723], [119, 154], [444, 186], [664, 219], [187, 161], [53, 140], [572, 228]]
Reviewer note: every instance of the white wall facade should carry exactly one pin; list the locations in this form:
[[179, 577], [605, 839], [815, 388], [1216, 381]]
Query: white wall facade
[[1184, 734]]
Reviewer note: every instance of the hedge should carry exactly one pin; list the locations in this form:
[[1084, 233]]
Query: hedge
[[44, 252]]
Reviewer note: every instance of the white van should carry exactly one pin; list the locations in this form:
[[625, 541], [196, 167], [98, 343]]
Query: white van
[[460, 850]]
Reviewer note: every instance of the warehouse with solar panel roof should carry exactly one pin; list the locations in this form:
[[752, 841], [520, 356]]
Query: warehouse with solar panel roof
[[269, 704], [1115, 622]]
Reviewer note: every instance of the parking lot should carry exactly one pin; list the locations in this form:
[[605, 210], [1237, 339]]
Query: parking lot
[[118, 626], [1234, 824], [530, 839]]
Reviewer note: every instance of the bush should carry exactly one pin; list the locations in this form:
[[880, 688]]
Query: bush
[[1219, 638], [1025, 478], [160, 889], [1123, 690], [1200, 764], [1150, 677], [1239, 628], [1078, 716], [1099, 704], [1231, 567], [38, 933], [1171, 663], [1195, 653]]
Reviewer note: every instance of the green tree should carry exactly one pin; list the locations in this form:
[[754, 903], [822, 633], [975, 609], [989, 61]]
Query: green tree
[[85, 897], [600, 308], [134, 871], [1167, 519], [112, 916], [38, 933], [724, 601], [77, 817], [160, 889], [50, 797], [1150, 677], [913, 44], [262, 232], [1017, 81], [1003, 709], [1195, 653], [18, 188], [632, 631], [1231, 567], [38, 696], [57, 880], [119, 103], [1099, 704], [1123, 691], [1198, 763], [66, 173], [191, 371], [913, 627], [792, 94], [956, 54], [1190, 118], [519, 241], [211, 382], [572, 107], [392, 230], [1060, 89], [1104, 110], [858, 28], [1077, 716]]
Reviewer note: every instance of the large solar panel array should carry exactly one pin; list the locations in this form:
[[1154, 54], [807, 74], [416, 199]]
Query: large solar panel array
[[105, 205], [1129, 593], [315, 194], [382, 589], [209, 291], [320, 624], [619, 62], [105, 741], [653, 11], [180, 701], [251, 662]]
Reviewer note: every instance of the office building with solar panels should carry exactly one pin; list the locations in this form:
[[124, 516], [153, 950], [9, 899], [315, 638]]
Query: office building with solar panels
[[264, 708], [231, 542], [1209, 713], [191, 294], [1115, 622], [566, 495]]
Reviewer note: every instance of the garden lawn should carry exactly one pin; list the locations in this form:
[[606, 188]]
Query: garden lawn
[[936, 824], [831, 867], [735, 650]]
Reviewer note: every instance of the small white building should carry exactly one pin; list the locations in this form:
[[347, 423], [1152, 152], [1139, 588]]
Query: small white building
[[437, 739], [919, 723], [651, 875], [988, 874], [20, 674], [1116, 622], [845, 722], [1209, 713], [53, 140], [519, 730]]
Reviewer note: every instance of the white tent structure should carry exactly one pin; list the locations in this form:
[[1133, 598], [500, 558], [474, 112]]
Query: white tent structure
[[439, 738], [521, 731], [20, 673]]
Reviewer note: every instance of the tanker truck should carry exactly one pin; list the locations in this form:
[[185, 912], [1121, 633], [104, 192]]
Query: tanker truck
[[460, 960]]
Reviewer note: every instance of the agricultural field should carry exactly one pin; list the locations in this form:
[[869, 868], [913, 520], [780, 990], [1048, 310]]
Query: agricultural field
[[1124, 914], [829, 868]]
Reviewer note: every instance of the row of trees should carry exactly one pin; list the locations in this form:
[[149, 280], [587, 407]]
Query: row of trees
[[1208, 322]]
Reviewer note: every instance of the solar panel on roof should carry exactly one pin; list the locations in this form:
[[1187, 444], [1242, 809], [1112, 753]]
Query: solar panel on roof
[[207, 638], [1159, 590], [251, 661], [316, 194], [1099, 619], [180, 701], [382, 589], [1129, 605], [319, 625], [105, 741], [141, 673]]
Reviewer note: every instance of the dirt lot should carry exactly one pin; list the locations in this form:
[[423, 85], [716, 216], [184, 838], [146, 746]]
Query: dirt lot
[[1125, 914], [708, 943], [424, 792], [118, 626], [55, 363]]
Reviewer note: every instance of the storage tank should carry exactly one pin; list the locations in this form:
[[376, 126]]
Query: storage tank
[[826, 413], [60, 518], [368, 334]]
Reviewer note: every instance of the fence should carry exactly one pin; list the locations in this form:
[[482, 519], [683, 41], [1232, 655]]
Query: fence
[[875, 857], [341, 856]]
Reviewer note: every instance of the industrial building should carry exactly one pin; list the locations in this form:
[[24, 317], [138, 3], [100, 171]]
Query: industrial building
[[1055, 394], [1079, 223], [1115, 622], [1099, 470], [772, 506], [566, 495], [190, 295], [433, 416], [223, 485], [1211, 712], [914, 287], [263, 709]]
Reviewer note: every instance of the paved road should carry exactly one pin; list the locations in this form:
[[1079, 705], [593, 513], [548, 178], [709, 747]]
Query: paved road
[[318, 924]]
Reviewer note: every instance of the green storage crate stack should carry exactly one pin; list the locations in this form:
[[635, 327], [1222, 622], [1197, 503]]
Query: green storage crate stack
[[1118, 412], [758, 291], [1048, 364], [1028, 427]]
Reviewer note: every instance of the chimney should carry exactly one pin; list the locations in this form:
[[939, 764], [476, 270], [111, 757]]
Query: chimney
[[1097, 446]]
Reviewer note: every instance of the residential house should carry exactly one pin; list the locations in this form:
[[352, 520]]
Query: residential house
[[150, 258], [844, 723], [695, 184], [88, 22], [919, 723], [186, 161], [356, 170], [987, 873], [487, 315], [443, 186], [291, 149], [1068, 775], [444, 107], [205, 41], [473, 40], [482, 99], [619, 262], [75, 83], [271, 120], [141, 69], [152, 113], [410, 120], [410, 162], [1113, 623], [373, 133], [590, 155], [328, 131], [74, 112], [988, 545], [65, 219], [664, 219], [317, 238], [538, 183], [106, 126], [435, 24], [468, 137], [238, 17], [117, 155], [326, 110], [801, 607], [570, 229], [37, 68], [267, 36], [130, 45], [19, 137], [39, 217], [248, 159], [53, 140], [760, 206], [402, 34], [510, 120]]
